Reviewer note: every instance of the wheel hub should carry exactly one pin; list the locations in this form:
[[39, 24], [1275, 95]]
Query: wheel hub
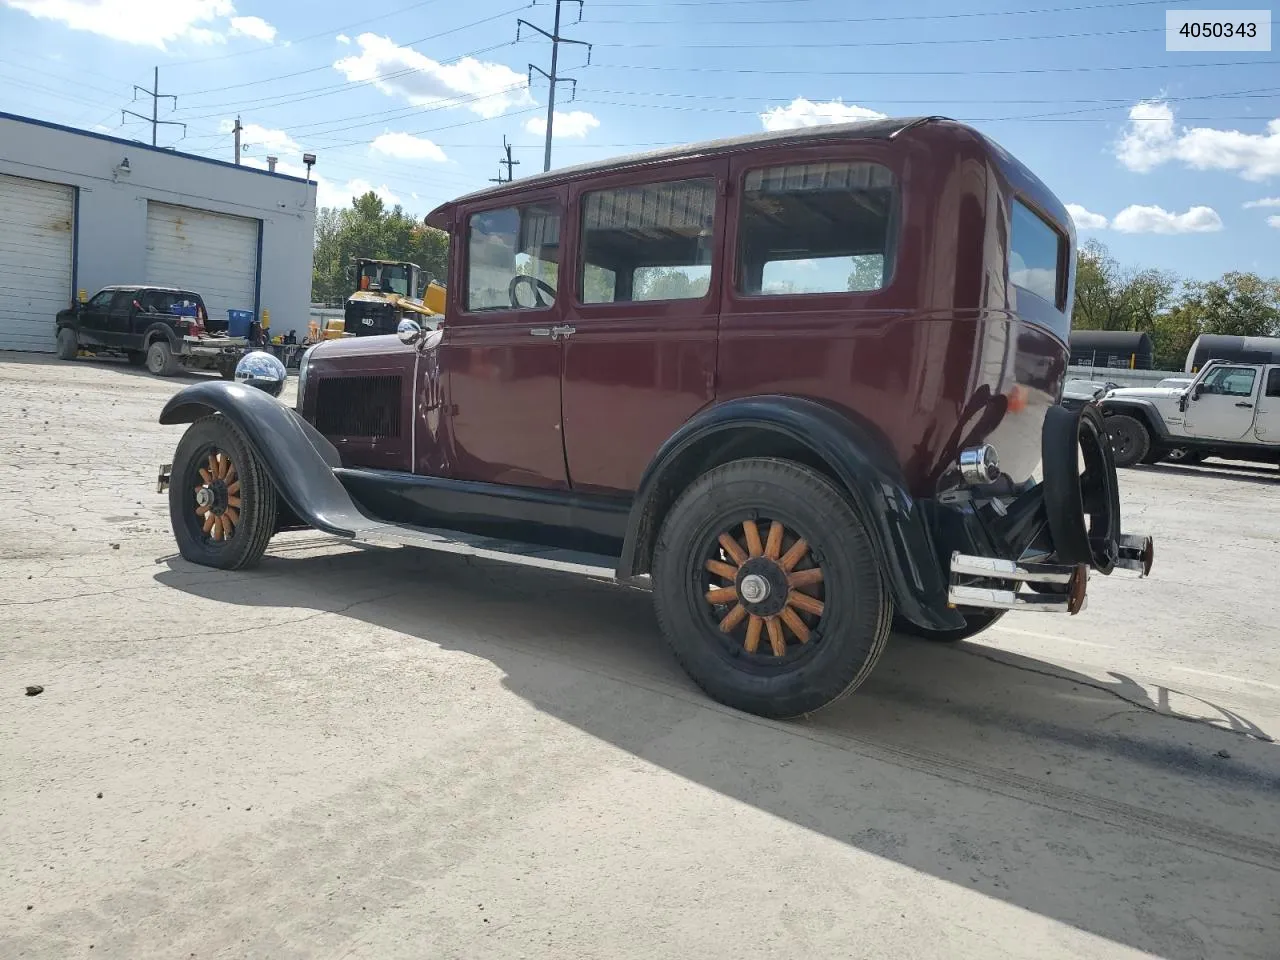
[[762, 587]]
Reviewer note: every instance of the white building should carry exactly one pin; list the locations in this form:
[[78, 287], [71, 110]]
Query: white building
[[80, 211]]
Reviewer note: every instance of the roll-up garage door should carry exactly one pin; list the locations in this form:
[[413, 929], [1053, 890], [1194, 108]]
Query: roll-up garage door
[[36, 238], [211, 254]]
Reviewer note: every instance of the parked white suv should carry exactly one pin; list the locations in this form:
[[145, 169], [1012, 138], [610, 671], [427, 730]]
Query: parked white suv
[[1230, 410]]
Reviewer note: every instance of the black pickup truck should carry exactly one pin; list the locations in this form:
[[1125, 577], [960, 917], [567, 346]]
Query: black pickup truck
[[162, 327]]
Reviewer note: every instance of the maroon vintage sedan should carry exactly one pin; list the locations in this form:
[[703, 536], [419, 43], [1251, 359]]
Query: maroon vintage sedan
[[798, 383]]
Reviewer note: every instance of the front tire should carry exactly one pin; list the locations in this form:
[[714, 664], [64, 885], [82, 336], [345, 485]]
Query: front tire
[[767, 588], [975, 622], [161, 360], [222, 504], [1129, 439], [68, 344]]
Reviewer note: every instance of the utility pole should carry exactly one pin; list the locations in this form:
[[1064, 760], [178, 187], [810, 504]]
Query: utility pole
[[236, 130], [553, 78], [508, 163], [156, 96]]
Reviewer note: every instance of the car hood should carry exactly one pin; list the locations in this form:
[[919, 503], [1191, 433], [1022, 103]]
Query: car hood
[[1146, 393]]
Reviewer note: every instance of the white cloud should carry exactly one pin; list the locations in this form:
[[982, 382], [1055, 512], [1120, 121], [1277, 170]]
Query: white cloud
[[1263, 203], [329, 193], [806, 113], [487, 89], [151, 23], [1153, 138], [1085, 219], [254, 27], [257, 137], [1140, 219], [407, 147], [332, 195], [343, 38], [575, 123], [1273, 222]]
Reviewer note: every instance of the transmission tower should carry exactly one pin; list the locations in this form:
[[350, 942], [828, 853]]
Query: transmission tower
[[508, 163], [156, 96], [553, 78]]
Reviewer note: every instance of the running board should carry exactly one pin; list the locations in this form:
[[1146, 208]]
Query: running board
[[578, 562], [1069, 583]]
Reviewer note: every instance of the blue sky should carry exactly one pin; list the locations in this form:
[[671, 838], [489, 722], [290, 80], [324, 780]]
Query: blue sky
[[1172, 159]]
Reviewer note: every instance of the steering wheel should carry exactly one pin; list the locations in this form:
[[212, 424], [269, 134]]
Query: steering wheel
[[538, 287]]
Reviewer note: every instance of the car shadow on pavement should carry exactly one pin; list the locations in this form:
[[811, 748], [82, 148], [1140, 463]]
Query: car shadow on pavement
[[1081, 799]]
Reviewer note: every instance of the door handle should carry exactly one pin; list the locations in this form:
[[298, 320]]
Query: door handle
[[541, 332], [563, 331], [1248, 406]]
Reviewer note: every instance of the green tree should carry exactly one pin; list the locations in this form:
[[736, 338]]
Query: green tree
[[368, 229], [1237, 304]]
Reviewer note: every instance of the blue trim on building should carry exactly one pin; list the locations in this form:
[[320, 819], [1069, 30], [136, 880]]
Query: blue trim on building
[[75, 246], [135, 145], [257, 280]]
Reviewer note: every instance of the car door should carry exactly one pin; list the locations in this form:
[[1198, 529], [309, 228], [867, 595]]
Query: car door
[[641, 320], [1266, 422], [119, 315], [1222, 404], [499, 352], [93, 318]]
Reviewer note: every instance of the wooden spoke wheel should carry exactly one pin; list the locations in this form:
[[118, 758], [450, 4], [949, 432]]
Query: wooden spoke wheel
[[767, 588], [217, 497], [765, 592], [222, 504]]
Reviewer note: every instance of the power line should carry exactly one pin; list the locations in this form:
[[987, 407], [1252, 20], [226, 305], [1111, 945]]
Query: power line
[[937, 73], [909, 16], [775, 44], [553, 78], [156, 96]]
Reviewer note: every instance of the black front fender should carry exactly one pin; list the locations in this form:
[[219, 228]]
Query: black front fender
[[299, 460], [857, 457]]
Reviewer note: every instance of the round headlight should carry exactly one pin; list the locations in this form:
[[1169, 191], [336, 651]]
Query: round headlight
[[262, 370]]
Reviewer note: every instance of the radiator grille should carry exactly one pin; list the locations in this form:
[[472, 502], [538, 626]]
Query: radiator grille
[[358, 406]]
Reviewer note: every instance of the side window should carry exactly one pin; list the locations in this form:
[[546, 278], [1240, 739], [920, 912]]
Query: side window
[[1273, 382], [816, 228], [1035, 261], [123, 300], [513, 258], [652, 242], [101, 300], [1230, 381]]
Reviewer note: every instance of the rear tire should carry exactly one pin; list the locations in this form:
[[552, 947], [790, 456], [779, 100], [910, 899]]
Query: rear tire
[[161, 360], [232, 532], [827, 590], [1129, 439], [68, 344], [975, 621]]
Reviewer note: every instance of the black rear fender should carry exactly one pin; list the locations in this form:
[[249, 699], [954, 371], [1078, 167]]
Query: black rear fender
[[298, 459], [850, 453]]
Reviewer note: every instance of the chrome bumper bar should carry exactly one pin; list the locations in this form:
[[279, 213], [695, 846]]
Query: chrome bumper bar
[[1070, 582]]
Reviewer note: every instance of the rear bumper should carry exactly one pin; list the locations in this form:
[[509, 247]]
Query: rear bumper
[[1034, 549], [213, 348]]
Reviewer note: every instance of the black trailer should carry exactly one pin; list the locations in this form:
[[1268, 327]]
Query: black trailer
[[1115, 349]]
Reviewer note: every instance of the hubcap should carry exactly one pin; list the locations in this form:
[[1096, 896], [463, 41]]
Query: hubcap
[[771, 589], [217, 497], [754, 588]]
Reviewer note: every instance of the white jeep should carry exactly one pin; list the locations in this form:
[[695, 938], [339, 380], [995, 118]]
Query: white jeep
[[1230, 410]]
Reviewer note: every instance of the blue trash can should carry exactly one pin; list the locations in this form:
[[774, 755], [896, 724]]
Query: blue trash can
[[238, 322]]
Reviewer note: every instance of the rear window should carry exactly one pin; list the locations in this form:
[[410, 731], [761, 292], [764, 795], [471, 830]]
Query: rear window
[[1035, 256], [164, 301], [816, 228]]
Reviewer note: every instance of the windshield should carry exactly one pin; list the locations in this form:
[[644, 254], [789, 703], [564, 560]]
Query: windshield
[[385, 278]]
